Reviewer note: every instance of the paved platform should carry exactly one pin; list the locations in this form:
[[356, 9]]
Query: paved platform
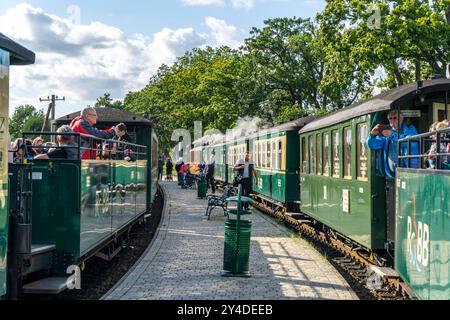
[[185, 260]]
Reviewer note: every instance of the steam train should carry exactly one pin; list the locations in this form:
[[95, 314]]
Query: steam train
[[55, 214], [323, 169]]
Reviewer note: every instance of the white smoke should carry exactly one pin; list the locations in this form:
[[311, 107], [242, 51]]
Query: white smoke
[[244, 127]]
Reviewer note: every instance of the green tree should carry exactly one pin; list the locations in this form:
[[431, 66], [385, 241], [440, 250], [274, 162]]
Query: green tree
[[107, 102], [200, 86], [286, 66], [407, 39], [25, 118]]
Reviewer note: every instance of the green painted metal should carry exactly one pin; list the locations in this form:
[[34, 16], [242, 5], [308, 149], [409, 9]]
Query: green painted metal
[[115, 192], [230, 172], [422, 248], [221, 168], [281, 185], [56, 206], [202, 187], [4, 113], [146, 136], [237, 240], [354, 207], [77, 204]]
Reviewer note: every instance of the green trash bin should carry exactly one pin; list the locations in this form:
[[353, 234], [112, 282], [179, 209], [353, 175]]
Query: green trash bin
[[237, 248], [201, 187]]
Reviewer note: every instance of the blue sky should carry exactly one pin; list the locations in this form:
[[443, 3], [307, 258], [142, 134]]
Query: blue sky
[[117, 45], [148, 17]]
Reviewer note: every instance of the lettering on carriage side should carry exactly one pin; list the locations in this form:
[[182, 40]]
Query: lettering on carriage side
[[36, 175], [417, 241], [346, 201]]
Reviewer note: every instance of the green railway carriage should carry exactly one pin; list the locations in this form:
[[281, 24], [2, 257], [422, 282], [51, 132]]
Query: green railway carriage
[[221, 168], [275, 153], [11, 53], [79, 208], [342, 184], [422, 246], [139, 129], [235, 150]]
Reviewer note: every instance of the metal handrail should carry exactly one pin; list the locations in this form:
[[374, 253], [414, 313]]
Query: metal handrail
[[94, 142], [421, 138]]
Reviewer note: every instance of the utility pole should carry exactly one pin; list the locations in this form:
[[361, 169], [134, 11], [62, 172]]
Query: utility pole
[[51, 108]]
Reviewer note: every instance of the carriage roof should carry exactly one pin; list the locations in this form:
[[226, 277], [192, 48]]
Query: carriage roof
[[19, 55], [382, 102]]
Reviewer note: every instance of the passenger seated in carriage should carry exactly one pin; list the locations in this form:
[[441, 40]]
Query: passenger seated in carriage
[[67, 150], [444, 147]]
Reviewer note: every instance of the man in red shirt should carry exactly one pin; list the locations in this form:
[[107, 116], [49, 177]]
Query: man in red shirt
[[85, 124]]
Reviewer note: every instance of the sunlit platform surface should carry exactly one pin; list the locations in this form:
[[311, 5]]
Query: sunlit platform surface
[[185, 260]]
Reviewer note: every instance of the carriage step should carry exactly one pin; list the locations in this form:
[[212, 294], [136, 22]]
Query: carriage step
[[37, 249], [52, 285], [294, 215], [384, 272], [41, 258]]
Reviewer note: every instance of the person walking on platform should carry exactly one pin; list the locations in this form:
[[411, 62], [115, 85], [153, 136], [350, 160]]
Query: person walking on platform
[[169, 169], [210, 170], [245, 172], [160, 168], [178, 166]]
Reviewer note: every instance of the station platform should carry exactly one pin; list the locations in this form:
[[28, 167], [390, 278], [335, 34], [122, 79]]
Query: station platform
[[184, 261]]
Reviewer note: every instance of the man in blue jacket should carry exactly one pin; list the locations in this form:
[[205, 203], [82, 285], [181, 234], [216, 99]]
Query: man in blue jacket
[[387, 139]]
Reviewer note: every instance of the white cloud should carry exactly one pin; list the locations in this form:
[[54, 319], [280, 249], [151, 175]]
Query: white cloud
[[223, 33], [82, 62]]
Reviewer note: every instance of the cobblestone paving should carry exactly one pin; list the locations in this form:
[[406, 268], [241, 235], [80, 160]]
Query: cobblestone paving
[[185, 261]]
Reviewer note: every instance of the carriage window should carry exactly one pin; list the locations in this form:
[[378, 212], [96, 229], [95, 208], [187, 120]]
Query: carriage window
[[319, 154], [312, 158], [303, 155], [259, 155], [348, 153], [326, 150], [335, 153], [268, 154], [280, 154], [361, 157], [264, 154], [274, 158]]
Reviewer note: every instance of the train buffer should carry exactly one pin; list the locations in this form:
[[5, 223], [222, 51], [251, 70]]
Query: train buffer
[[184, 261]]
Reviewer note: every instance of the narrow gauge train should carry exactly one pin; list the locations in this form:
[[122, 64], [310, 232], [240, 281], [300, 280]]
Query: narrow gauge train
[[57, 214], [322, 168]]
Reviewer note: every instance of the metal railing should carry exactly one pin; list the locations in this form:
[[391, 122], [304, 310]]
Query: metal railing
[[87, 147], [426, 140]]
